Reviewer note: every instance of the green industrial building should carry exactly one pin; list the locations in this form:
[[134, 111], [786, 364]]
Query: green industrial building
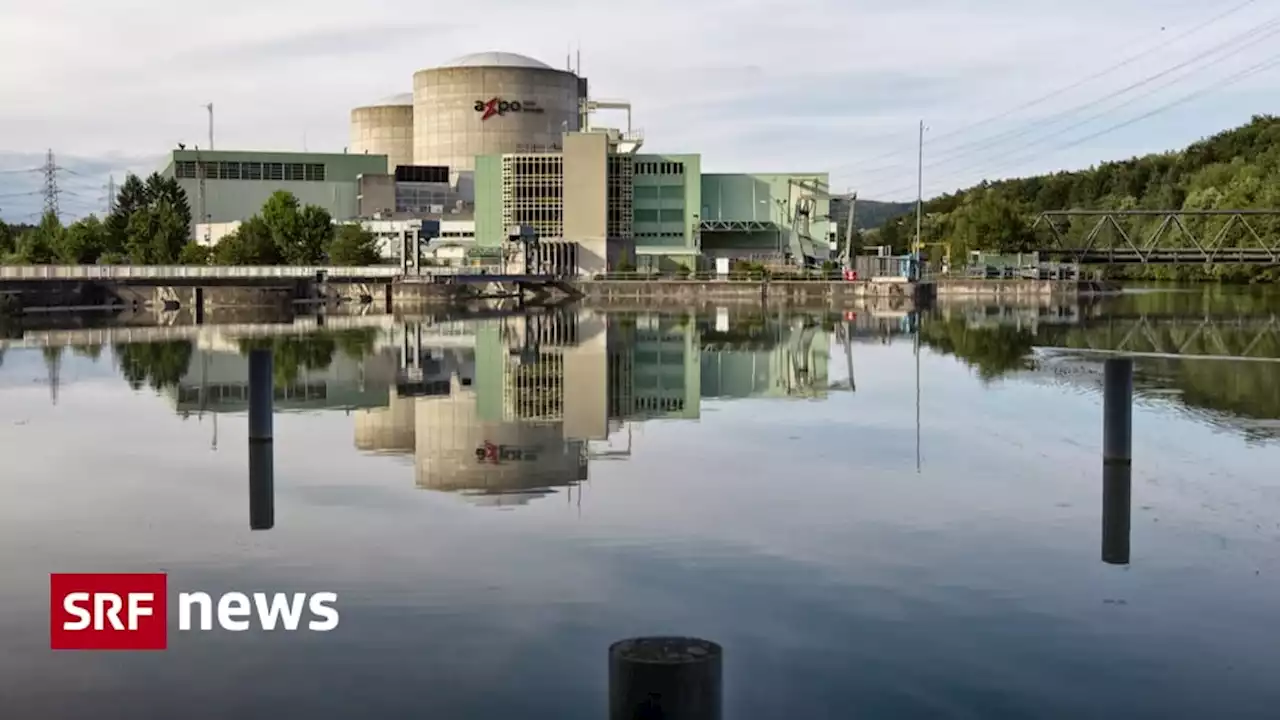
[[225, 186], [650, 211], [623, 210]]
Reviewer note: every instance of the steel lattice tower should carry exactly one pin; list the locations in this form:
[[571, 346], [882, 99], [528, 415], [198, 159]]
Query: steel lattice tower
[[50, 185]]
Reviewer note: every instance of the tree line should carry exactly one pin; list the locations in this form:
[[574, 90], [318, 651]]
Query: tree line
[[150, 224], [1233, 170]]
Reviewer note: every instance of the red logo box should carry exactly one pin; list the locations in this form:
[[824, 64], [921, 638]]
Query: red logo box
[[108, 611]]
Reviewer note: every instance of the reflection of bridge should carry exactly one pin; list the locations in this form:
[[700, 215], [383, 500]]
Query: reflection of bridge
[[1240, 338]]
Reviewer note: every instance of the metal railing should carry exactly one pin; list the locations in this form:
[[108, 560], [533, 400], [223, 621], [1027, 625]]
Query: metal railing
[[212, 272], [735, 276]]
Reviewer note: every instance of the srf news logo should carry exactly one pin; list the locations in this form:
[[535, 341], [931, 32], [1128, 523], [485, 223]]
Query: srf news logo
[[129, 611]]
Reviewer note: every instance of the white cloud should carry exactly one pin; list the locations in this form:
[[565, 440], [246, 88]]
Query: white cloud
[[751, 84]]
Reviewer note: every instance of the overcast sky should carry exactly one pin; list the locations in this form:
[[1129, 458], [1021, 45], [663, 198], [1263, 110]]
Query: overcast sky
[[767, 85]]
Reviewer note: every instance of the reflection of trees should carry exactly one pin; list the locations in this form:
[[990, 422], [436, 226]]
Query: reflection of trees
[[292, 354], [159, 365], [1241, 389], [993, 350], [1224, 388], [92, 352], [357, 344]]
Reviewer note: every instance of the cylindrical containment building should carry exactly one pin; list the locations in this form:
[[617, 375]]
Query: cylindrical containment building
[[385, 128], [490, 103]]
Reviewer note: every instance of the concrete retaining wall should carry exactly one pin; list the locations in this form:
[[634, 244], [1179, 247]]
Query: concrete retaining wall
[[837, 294]]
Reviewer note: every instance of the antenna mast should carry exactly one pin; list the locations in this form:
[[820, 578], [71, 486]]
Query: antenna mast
[[209, 107], [849, 229]]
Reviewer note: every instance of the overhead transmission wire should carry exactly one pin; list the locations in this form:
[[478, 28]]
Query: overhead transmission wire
[[1054, 94], [1232, 45], [987, 161], [1215, 86]]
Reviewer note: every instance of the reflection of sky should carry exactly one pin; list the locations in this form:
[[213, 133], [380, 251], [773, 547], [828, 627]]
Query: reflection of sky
[[798, 534]]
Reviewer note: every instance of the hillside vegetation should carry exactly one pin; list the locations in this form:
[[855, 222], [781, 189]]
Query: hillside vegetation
[[1236, 169]]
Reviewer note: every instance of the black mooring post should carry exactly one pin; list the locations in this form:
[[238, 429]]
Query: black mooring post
[[665, 678], [1117, 461], [261, 441]]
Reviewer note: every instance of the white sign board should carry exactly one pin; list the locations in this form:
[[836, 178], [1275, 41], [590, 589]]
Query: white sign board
[[722, 266]]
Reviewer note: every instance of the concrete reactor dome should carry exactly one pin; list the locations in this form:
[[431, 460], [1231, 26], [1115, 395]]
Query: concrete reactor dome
[[491, 103], [385, 128], [494, 58]]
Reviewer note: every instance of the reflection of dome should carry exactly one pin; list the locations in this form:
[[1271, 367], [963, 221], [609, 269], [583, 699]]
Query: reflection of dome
[[458, 450]]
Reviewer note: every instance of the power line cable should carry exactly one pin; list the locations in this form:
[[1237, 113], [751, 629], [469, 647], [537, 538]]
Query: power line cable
[[946, 157], [1221, 84], [987, 161], [1079, 83]]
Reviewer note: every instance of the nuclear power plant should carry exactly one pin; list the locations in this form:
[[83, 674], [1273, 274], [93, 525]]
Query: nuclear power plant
[[494, 140]]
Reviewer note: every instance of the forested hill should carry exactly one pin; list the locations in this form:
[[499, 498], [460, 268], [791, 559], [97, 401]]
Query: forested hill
[[1236, 169]]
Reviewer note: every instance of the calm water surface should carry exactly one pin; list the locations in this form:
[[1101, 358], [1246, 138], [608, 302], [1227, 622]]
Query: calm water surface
[[925, 545]]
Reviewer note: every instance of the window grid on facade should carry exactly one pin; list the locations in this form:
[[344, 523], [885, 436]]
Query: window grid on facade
[[534, 391], [232, 170], [621, 182], [533, 193]]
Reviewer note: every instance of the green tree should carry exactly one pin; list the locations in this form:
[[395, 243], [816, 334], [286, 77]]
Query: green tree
[[159, 189], [988, 221], [83, 242], [38, 246], [194, 253], [131, 198], [353, 245], [250, 244], [156, 235], [300, 233], [1236, 169], [7, 238]]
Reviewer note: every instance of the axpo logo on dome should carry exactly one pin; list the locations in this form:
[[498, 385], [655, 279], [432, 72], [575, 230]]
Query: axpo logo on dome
[[498, 106]]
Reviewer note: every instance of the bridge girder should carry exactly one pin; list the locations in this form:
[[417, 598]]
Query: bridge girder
[[1129, 246]]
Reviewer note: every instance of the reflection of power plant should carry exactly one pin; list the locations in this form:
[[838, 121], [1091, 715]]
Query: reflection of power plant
[[507, 409], [501, 422], [535, 398]]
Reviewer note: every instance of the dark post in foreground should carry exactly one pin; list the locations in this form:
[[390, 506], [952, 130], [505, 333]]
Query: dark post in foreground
[[1117, 446], [665, 678], [262, 510]]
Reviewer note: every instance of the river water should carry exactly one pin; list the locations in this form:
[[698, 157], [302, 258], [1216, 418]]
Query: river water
[[921, 541]]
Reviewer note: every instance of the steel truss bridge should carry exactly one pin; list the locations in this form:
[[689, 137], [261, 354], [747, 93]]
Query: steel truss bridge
[[1171, 241]]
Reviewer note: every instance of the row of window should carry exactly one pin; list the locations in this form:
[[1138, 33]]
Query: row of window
[[659, 168], [230, 170], [422, 173], [643, 215], [641, 235], [656, 192], [652, 404], [239, 392]]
